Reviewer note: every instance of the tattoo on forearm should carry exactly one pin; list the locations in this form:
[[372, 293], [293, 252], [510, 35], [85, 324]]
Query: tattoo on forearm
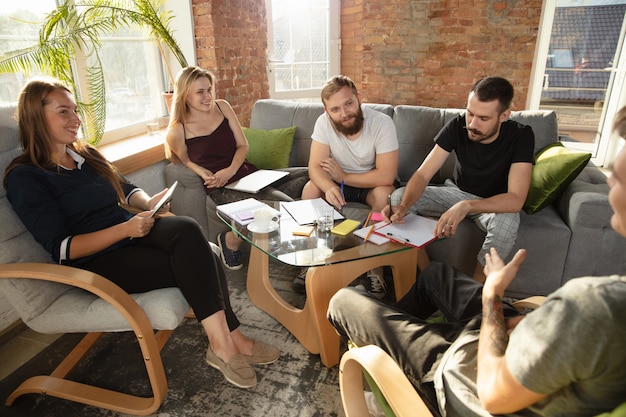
[[498, 336]]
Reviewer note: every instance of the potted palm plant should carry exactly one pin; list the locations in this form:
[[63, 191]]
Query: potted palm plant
[[80, 25]]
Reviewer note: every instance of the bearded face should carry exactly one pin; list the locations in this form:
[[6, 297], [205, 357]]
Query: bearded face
[[349, 123]]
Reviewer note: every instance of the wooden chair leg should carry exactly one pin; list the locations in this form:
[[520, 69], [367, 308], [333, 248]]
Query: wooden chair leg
[[56, 386]]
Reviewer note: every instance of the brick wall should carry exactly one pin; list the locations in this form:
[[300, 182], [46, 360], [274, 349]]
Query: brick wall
[[231, 41], [425, 52], [430, 52]]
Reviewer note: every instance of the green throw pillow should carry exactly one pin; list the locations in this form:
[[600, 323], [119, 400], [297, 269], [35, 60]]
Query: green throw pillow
[[555, 168], [270, 149]]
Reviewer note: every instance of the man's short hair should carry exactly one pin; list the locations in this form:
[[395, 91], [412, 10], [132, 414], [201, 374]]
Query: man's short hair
[[335, 84], [494, 88]]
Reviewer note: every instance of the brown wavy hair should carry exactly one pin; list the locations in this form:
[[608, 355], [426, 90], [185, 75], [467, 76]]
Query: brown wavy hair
[[37, 144]]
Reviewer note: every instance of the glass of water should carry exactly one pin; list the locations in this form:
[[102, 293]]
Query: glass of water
[[325, 218]]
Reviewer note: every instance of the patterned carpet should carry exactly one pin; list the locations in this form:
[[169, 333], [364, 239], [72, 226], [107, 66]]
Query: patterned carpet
[[297, 385]]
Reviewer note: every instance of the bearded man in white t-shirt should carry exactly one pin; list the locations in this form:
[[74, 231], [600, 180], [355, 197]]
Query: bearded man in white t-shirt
[[351, 145]]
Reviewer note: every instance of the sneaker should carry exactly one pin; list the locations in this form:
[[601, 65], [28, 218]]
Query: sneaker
[[298, 283], [230, 258], [376, 285]]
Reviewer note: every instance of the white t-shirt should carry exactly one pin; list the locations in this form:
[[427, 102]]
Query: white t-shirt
[[356, 156]]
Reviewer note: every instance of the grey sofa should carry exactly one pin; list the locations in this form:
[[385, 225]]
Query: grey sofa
[[570, 238]]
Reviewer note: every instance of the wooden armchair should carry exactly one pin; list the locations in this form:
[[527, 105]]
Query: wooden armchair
[[90, 303], [392, 388], [58, 299]]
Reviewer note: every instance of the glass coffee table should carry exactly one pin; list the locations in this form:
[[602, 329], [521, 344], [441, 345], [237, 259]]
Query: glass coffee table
[[334, 262]]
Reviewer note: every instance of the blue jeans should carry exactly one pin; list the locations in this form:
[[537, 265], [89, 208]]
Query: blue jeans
[[403, 331]]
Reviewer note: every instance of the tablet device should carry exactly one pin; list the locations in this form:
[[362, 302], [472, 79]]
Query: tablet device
[[164, 200], [256, 181]]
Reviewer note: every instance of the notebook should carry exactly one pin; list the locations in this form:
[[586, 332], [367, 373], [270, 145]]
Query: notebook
[[304, 211], [415, 230], [242, 211], [256, 181]]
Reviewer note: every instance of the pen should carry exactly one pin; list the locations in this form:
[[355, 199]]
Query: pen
[[343, 197], [398, 238], [390, 209], [369, 232], [367, 220]]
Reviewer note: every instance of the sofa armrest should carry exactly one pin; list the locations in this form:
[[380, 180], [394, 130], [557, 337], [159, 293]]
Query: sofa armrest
[[584, 203], [190, 197]]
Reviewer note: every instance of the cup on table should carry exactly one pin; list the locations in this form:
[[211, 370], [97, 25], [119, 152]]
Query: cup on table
[[263, 218], [325, 218]]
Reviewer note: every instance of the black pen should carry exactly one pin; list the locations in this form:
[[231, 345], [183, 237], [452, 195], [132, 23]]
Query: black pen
[[398, 238], [390, 209]]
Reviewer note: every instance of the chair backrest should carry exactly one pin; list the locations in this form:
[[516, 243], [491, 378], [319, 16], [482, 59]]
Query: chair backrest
[[29, 298]]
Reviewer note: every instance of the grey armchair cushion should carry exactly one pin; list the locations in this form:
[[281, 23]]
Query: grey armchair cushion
[[78, 311]]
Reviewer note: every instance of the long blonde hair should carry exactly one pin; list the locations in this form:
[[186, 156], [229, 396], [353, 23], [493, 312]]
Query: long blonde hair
[[37, 143], [182, 88]]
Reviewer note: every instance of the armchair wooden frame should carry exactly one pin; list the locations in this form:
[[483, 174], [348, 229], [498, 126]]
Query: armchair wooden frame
[[150, 343], [389, 378]]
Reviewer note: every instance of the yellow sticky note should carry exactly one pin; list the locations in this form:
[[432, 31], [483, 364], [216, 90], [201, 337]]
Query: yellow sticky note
[[302, 230], [345, 227]]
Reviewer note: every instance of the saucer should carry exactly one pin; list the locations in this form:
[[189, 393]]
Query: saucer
[[256, 229]]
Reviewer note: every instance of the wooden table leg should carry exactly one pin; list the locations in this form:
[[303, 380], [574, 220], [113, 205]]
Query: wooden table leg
[[309, 325], [263, 295], [323, 282]]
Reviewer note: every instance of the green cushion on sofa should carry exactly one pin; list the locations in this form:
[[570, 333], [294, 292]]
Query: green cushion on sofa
[[555, 168], [270, 149]]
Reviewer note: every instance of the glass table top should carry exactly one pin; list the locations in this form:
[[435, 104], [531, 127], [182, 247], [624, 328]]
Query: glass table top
[[320, 248]]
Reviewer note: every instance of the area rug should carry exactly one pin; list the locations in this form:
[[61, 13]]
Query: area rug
[[296, 385]]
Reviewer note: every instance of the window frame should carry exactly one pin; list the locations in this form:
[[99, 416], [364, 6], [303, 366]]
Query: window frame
[[182, 26], [334, 53], [609, 142]]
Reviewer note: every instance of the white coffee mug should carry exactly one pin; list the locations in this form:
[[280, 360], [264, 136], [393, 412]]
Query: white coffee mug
[[263, 218]]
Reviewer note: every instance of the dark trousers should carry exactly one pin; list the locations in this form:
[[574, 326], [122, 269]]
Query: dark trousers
[[402, 330], [174, 254]]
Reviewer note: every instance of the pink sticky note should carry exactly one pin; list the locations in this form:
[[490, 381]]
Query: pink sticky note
[[376, 217]]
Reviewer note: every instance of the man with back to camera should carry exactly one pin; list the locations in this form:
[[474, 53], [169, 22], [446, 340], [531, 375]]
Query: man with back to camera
[[355, 146], [491, 177]]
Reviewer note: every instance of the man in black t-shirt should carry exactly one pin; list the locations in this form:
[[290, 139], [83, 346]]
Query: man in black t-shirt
[[491, 178]]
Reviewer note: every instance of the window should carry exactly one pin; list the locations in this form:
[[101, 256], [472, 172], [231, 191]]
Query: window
[[579, 71], [304, 46], [134, 78]]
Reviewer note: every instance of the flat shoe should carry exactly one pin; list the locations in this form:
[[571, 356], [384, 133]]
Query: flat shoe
[[238, 371], [262, 354]]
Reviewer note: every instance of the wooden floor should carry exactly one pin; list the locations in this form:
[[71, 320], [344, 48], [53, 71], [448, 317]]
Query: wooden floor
[[19, 345]]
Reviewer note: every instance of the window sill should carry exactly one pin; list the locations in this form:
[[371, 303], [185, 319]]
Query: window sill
[[137, 152]]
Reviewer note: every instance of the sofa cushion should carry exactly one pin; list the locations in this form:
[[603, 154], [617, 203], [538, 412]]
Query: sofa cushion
[[544, 124], [270, 149], [555, 168]]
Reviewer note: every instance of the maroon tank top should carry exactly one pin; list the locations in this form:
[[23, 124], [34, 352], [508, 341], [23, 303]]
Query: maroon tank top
[[215, 151]]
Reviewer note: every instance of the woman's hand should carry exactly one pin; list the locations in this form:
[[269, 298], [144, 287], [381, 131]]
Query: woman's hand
[[222, 176], [139, 225], [152, 202]]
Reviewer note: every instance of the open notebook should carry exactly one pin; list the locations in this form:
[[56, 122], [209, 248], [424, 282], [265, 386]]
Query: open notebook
[[242, 211], [256, 181]]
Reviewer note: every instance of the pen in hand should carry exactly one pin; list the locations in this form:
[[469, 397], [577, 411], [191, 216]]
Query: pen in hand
[[343, 198], [390, 209]]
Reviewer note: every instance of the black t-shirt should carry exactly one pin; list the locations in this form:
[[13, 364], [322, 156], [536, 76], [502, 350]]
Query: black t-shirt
[[483, 169]]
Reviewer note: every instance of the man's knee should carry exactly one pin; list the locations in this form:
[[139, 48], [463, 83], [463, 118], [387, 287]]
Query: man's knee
[[377, 197]]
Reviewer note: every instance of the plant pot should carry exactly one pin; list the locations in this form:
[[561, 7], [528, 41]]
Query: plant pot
[[167, 97]]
